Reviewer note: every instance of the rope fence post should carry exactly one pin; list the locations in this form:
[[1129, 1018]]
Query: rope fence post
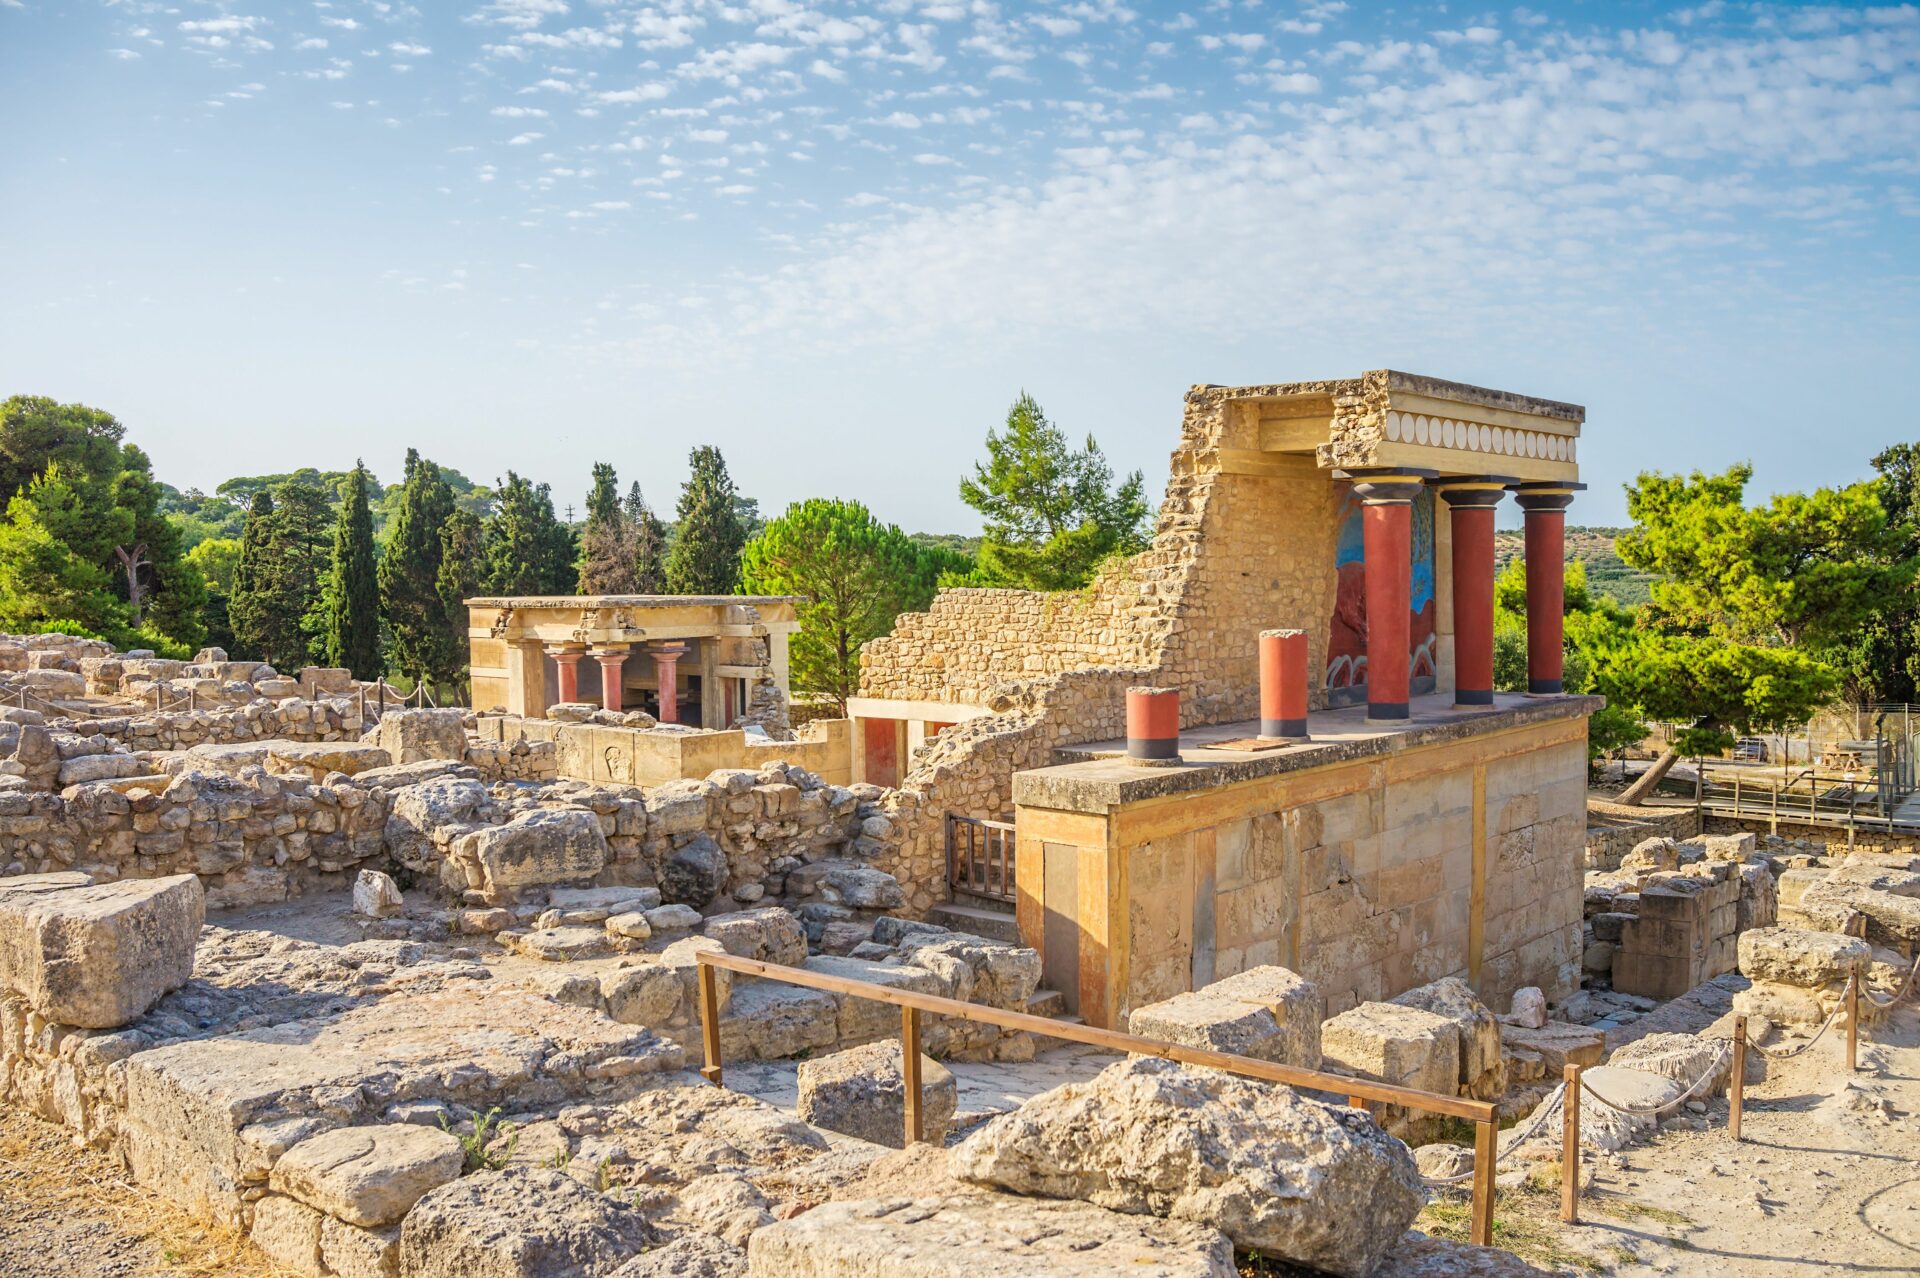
[[1570, 1148], [1853, 1022], [1737, 1085], [1486, 1134], [910, 1071], [710, 1023]]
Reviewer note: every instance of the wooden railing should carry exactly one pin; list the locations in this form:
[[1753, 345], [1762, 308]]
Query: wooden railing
[[1850, 801], [1358, 1091], [980, 857]]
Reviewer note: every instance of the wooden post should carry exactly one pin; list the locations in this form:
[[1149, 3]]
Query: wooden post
[[1356, 1102], [1737, 1086], [1570, 1148], [1853, 1022], [910, 1069], [1773, 818], [710, 1022], [1485, 1153], [1736, 792]]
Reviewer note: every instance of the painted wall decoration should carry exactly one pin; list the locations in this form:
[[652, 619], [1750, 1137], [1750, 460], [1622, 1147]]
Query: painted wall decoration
[[1346, 676]]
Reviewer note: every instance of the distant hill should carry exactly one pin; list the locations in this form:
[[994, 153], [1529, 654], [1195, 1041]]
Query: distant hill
[[1605, 571]]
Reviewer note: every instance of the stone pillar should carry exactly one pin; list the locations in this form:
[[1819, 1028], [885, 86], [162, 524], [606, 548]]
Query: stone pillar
[[1546, 505], [566, 663], [612, 668], [527, 678], [1283, 684], [1471, 502], [1387, 528], [666, 663]]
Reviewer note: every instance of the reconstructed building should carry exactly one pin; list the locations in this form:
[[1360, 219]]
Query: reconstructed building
[[1428, 826], [682, 658]]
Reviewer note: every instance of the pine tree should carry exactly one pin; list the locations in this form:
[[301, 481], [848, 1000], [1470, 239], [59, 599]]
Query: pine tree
[[298, 542], [705, 558], [603, 502], [426, 639], [248, 605], [353, 587], [41, 578], [649, 544], [529, 551], [607, 565]]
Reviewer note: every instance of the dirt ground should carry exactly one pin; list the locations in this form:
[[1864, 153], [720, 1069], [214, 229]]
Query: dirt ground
[[1827, 1181]]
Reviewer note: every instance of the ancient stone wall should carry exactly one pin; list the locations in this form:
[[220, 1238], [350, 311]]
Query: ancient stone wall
[[1614, 829]]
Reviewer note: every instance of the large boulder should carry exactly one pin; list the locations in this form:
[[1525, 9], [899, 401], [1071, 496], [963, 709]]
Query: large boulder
[[693, 873], [770, 934], [97, 956], [524, 1222], [412, 736], [983, 1236], [368, 1176], [549, 845], [863, 1092], [1482, 1071], [1292, 1178], [1793, 956]]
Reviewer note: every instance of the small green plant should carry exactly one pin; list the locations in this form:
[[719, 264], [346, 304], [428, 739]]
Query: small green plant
[[558, 1159], [474, 1145], [603, 1175]]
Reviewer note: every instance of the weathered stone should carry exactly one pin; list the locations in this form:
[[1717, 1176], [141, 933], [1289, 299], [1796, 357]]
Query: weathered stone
[[97, 956], [1652, 854], [1418, 1256], [862, 1092], [1296, 1004], [673, 918], [1390, 1043], [524, 1222], [288, 1232], [1792, 956], [367, 1176], [861, 887], [376, 895], [724, 1204], [1684, 1058], [766, 1021], [1292, 1178], [694, 874], [1558, 1044], [1528, 1009], [1482, 1074], [414, 736], [772, 935], [688, 1256], [348, 1251], [633, 926], [319, 758], [1204, 1020], [983, 1236], [549, 846], [648, 994]]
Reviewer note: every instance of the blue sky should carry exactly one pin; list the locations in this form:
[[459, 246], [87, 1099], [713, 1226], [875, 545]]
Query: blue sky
[[837, 238]]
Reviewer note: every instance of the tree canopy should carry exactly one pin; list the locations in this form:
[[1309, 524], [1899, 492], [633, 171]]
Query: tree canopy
[[353, 586], [705, 556]]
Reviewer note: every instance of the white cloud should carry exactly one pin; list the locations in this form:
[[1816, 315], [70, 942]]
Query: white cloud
[[124, 55], [312, 42], [409, 49], [638, 93], [519, 112]]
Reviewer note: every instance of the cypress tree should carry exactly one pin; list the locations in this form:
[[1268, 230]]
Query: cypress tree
[[607, 562], [649, 544], [529, 551], [353, 589], [426, 640], [705, 558], [462, 550], [247, 606]]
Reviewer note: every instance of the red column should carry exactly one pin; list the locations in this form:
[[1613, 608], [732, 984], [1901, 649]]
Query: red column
[[1472, 503], [567, 662], [612, 665], [1546, 505], [1283, 684], [1387, 530], [666, 664], [1153, 723]]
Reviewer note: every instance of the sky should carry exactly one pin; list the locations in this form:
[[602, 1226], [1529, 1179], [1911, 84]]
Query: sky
[[838, 238]]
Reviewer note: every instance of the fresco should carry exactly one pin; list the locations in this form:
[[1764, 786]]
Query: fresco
[[1346, 675]]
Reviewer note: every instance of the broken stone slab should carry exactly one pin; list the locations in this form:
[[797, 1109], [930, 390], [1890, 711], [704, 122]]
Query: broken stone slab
[[695, 872], [864, 1018], [1292, 1178], [609, 900], [1795, 956], [524, 1222], [724, 1204], [766, 1021], [861, 887], [416, 736], [1684, 1058], [1559, 1044], [1528, 1008], [1482, 1073], [1603, 1127], [317, 759], [1296, 1003], [1390, 1043], [534, 849], [984, 1236], [770, 934], [376, 895], [1204, 1020], [97, 956], [367, 1176], [564, 944], [862, 1092], [688, 1256]]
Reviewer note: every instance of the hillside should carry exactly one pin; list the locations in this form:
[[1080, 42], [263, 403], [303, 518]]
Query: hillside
[[1605, 571]]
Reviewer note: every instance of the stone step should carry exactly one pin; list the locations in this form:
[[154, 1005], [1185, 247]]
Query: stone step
[[1047, 1003], [995, 925]]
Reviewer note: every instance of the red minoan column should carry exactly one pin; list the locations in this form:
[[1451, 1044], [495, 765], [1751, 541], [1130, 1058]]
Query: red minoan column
[[1387, 530], [1546, 505], [612, 665], [1472, 501], [1283, 684], [666, 664], [1153, 723], [567, 662]]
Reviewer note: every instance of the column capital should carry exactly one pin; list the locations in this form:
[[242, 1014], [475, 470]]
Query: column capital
[[1472, 491], [1546, 494], [609, 653], [667, 649], [1387, 485], [566, 651]]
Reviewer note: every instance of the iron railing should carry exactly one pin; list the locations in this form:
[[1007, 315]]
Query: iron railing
[[980, 857]]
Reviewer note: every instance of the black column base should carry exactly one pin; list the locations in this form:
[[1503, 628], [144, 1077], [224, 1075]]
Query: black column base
[[1546, 687], [1387, 710], [1473, 697]]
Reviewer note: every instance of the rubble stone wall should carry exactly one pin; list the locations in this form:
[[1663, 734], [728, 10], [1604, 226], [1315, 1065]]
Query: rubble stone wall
[[1614, 829]]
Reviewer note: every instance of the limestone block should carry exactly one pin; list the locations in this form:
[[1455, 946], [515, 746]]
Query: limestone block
[[97, 956], [546, 846], [99, 767], [862, 1092], [772, 935], [647, 994], [861, 887], [349, 1251], [523, 1222], [1652, 854], [376, 895], [984, 1236], [1296, 1003], [1684, 1058], [368, 1176], [318, 758], [694, 873], [766, 1021], [1205, 1020], [672, 918], [1789, 1004], [53, 685], [1482, 1074], [1529, 1007], [688, 1256], [289, 1233], [1317, 1185], [415, 736], [1389, 1043], [1792, 956], [1418, 1256], [1557, 1044]]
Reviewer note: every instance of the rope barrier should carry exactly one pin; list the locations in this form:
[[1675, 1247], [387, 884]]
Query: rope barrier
[[1647, 1110], [1771, 1054], [1526, 1134], [1905, 988]]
